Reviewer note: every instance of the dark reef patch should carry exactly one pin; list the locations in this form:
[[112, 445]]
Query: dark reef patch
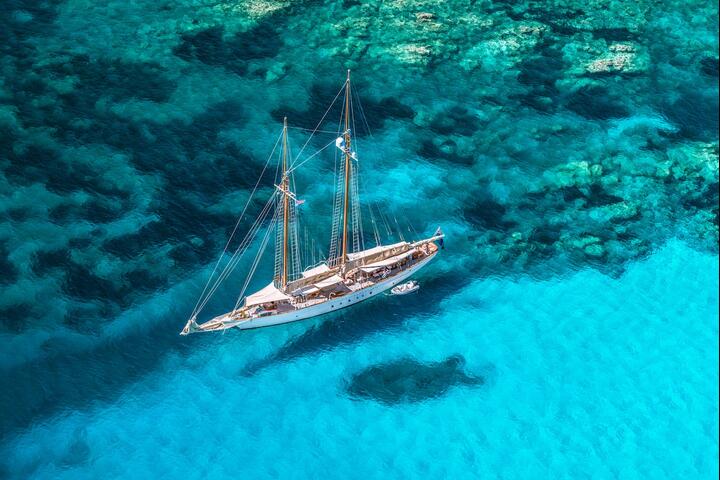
[[145, 280], [44, 261], [696, 115], [539, 74], [409, 381], [546, 234], [13, 318], [25, 165], [596, 103], [75, 114], [706, 197], [618, 34], [377, 111], [456, 120], [710, 66], [116, 79], [232, 52], [8, 271], [596, 196], [488, 214], [80, 282], [100, 210]]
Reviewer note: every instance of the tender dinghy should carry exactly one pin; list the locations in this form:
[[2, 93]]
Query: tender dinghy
[[405, 288]]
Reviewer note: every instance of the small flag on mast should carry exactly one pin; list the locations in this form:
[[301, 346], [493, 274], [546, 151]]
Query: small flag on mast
[[299, 202]]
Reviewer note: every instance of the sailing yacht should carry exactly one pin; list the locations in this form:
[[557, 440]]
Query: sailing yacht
[[349, 274]]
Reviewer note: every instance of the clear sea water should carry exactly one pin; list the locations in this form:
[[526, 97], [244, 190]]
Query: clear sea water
[[568, 330]]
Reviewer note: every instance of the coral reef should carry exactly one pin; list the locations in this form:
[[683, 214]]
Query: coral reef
[[537, 134]]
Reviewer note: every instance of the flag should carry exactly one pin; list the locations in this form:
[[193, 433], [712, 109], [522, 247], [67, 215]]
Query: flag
[[299, 202]]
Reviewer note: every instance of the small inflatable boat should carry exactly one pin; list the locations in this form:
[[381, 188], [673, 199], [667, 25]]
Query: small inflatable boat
[[405, 288]]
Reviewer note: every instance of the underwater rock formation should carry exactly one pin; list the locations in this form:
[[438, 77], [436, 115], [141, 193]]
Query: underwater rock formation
[[532, 134], [407, 380]]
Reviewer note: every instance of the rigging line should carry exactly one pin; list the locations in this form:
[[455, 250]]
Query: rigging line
[[204, 297], [240, 251], [277, 168], [227, 274], [386, 224], [321, 120], [258, 257], [256, 261], [237, 256], [295, 167], [402, 239], [365, 123], [263, 243], [312, 249], [376, 232], [413, 229], [352, 117], [237, 224], [362, 114]]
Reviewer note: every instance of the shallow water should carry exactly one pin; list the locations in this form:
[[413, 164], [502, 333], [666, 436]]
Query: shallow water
[[569, 328], [585, 375]]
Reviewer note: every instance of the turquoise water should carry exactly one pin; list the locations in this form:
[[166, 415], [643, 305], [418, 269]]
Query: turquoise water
[[585, 376], [568, 150]]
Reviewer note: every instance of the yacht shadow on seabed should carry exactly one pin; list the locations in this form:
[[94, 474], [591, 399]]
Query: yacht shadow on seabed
[[346, 328], [408, 381]]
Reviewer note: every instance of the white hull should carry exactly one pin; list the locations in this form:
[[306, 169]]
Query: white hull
[[334, 304]]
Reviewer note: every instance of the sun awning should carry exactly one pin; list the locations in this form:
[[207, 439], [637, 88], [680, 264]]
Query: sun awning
[[388, 261], [373, 251], [307, 290], [330, 281], [266, 295], [370, 269]]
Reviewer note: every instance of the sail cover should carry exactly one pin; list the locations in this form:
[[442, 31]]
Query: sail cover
[[266, 295], [322, 268]]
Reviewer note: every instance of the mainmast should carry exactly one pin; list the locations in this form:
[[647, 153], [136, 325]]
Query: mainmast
[[343, 257], [285, 186]]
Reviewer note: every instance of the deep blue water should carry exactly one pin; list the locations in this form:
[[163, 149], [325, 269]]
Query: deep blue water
[[568, 150]]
